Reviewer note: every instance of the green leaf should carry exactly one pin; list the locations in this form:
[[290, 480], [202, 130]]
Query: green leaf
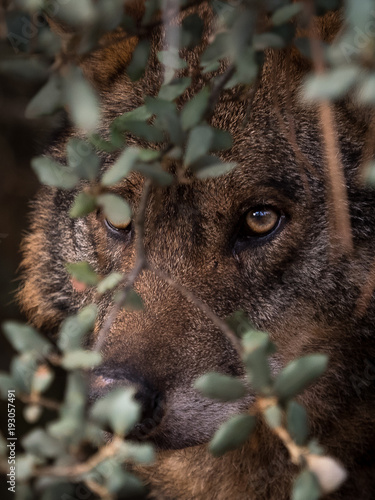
[[286, 13], [83, 272], [71, 426], [158, 106], [149, 155], [211, 166], [192, 30], [80, 358], [3, 446], [138, 114], [333, 84], [144, 131], [222, 140], [366, 89], [265, 41], [198, 144], [369, 174], [140, 56], [216, 50], [6, 384], [219, 386], [171, 59], [232, 434], [115, 208], [39, 443], [124, 484], [101, 144], [297, 423], [110, 13], [306, 487], [32, 413], [239, 323], [42, 379], [247, 68], [74, 328], [25, 338], [84, 203], [141, 453], [174, 89], [25, 464], [357, 13], [257, 347], [53, 174], [254, 340], [213, 66], [48, 100], [151, 8], [273, 416], [32, 69], [299, 374], [109, 282], [82, 159], [170, 122], [118, 409], [75, 13], [75, 401], [194, 109], [121, 168], [155, 172], [57, 489], [30, 5], [167, 118], [22, 369], [133, 301], [82, 101], [135, 122], [64, 429], [316, 448]]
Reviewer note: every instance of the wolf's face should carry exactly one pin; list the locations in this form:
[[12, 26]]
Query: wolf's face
[[257, 239]]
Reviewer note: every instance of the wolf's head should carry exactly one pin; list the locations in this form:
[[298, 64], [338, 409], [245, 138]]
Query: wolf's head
[[258, 239]]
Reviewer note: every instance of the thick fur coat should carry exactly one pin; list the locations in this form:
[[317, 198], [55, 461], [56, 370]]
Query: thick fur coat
[[288, 284]]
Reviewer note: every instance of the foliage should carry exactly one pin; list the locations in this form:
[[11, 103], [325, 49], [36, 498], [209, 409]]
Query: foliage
[[72, 447]]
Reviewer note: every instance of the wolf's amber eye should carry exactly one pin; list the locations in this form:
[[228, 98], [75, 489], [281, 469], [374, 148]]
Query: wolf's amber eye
[[115, 226], [261, 221]]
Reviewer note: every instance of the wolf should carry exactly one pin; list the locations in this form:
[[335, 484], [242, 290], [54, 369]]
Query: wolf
[[257, 239]]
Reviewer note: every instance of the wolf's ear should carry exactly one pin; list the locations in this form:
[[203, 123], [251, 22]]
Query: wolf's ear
[[114, 50]]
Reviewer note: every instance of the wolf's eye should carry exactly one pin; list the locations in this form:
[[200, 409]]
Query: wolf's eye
[[262, 221], [116, 227], [258, 226]]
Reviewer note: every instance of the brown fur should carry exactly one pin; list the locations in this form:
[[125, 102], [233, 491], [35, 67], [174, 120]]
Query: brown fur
[[289, 286]]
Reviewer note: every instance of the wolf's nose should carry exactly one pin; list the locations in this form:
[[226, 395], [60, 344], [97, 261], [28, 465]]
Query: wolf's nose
[[152, 414], [106, 379]]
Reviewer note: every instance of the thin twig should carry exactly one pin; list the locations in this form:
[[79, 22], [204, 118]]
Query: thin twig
[[139, 266], [219, 85], [366, 293], [297, 453], [250, 97], [99, 490], [368, 150], [335, 173], [188, 294], [143, 30], [78, 470], [35, 399], [290, 134]]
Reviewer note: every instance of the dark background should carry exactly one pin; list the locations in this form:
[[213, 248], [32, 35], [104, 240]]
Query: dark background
[[20, 140]]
